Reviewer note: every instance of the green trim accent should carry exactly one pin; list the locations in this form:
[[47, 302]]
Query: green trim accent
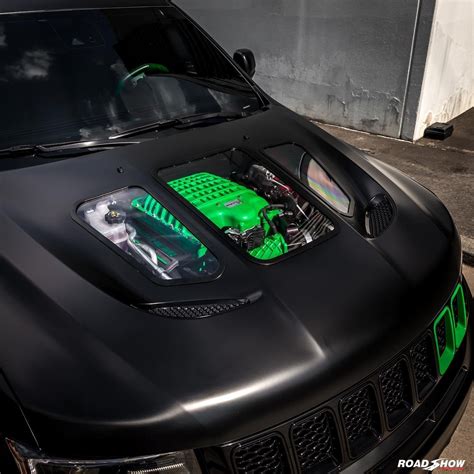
[[460, 328], [445, 358]]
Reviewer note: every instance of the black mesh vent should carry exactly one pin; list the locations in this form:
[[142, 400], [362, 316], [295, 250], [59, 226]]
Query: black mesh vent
[[396, 392], [316, 443], [441, 335], [379, 215], [264, 456], [197, 311], [361, 419], [423, 363]]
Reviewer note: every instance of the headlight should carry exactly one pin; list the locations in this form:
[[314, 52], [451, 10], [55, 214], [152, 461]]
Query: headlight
[[30, 462]]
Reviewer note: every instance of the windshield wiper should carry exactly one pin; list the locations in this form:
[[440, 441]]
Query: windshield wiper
[[179, 123], [60, 149], [149, 127]]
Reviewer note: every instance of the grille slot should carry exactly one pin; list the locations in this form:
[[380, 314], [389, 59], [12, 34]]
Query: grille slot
[[396, 392], [456, 310], [196, 311], [361, 420], [441, 335], [379, 215], [445, 340], [316, 443], [459, 312], [264, 456], [423, 363]]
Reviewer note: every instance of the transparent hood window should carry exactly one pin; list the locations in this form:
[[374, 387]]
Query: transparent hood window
[[320, 182], [304, 167], [254, 208], [148, 234]]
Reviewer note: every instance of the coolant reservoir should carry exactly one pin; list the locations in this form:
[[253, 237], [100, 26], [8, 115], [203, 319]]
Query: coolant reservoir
[[108, 221]]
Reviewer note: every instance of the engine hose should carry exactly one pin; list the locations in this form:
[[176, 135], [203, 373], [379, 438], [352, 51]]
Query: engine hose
[[145, 251], [264, 212]]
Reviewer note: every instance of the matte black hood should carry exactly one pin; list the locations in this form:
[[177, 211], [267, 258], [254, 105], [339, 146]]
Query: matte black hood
[[111, 380]]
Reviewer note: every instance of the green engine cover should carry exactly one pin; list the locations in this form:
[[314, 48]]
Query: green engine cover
[[149, 206], [225, 203], [229, 204]]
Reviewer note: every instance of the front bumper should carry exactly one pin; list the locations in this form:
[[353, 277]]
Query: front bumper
[[362, 430]]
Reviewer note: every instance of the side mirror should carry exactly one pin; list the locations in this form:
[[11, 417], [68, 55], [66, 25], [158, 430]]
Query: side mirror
[[246, 60]]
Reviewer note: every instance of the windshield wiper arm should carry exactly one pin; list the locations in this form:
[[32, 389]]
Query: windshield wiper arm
[[149, 127], [198, 118], [62, 148], [180, 122]]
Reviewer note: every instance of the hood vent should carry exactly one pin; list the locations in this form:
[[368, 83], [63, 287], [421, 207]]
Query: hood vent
[[197, 310], [378, 215]]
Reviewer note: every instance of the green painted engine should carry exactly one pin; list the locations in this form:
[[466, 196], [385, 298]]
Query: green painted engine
[[263, 215], [239, 211]]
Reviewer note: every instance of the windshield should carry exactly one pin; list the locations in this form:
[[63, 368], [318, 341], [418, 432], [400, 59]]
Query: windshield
[[91, 74]]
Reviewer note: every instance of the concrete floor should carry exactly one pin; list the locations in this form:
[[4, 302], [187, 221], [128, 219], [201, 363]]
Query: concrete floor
[[447, 168]]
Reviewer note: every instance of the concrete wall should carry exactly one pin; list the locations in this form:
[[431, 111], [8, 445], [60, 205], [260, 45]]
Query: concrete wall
[[345, 62], [448, 84]]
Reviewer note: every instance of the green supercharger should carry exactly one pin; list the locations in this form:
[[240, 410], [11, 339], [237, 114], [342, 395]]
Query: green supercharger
[[230, 205], [227, 204]]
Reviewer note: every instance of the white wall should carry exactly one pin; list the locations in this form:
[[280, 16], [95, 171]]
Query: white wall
[[448, 84], [344, 62]]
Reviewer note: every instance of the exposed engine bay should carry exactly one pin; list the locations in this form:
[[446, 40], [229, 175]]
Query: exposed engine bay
[[252, 206]]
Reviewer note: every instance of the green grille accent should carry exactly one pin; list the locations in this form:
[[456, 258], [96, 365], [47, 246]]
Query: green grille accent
[[459, 313], [444, 340]]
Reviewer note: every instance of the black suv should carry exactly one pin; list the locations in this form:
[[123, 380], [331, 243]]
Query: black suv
[[194, 279]]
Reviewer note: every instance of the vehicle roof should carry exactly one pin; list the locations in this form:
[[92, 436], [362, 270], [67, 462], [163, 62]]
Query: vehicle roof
[[17, 6]]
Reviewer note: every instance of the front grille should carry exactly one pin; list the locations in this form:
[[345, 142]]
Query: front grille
[[424, 368], [361, 420], [316, 443], [378, 216], [265, 456], [344, 429], [396, 392], [196, 311], [349, 425]]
